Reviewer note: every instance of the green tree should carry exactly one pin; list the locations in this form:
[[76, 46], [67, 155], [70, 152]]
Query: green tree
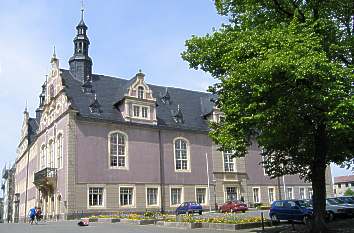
[[349, 192], [285, 79]]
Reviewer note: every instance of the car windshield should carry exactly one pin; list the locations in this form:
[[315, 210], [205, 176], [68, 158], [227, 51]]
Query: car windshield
[[332, 201], [340, 201], [304, 204]]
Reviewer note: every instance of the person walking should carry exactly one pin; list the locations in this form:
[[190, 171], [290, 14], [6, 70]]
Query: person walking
[[38, 214], [32, 215]]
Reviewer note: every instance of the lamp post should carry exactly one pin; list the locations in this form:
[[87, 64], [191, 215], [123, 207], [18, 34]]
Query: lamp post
[[215, 204]]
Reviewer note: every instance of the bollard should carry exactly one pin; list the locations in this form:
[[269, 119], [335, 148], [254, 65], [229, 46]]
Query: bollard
[[262, 221]]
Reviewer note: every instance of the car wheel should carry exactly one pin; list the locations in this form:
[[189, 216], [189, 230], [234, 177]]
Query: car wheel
[[274, 219], [200, 212], [330, 216], [306, 219], [190, 212], [243, 211]]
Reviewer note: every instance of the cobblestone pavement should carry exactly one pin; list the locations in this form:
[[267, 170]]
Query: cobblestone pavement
[[340, 226], [71, 227]]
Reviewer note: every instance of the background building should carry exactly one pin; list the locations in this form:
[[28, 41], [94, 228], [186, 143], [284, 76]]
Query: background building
[[342, 183], [8, 190], [101, 144]]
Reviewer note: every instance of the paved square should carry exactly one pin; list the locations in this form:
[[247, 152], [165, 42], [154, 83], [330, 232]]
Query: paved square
[[72, 227]]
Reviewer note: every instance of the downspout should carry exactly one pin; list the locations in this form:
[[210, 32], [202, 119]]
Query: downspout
[[162, 174], [28, 153], [279, 188]]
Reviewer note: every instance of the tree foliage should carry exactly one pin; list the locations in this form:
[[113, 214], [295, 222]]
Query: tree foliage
[[349, 192], [285, 79]]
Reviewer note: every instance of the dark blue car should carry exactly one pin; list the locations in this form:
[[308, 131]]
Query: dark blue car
[[292, 210], [189, 208]]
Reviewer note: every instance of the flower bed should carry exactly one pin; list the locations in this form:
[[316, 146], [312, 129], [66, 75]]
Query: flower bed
[[225, 222]]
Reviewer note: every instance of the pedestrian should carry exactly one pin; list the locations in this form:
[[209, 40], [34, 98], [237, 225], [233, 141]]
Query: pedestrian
[[32, 215], [38, 214]]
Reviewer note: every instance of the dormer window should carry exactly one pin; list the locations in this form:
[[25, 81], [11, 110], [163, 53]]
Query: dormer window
[[136, 110], [141, 112], [140, 92]]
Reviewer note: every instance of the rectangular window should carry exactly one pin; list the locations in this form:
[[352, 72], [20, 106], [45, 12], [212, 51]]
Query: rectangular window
[[176, 194], [136, 110], [271, 195], [231, 193], [289, 193], [310, 193], [201, 195], [144, 112], [339, 186], [229, 165], [95, 197], [60, 152], [151, 196], [126, 196], [302, 193], [346, 185], [181, 158], [256, 198]]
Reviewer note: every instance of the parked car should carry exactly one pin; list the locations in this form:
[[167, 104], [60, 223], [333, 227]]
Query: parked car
[[346, 199], [335, 208], [189, 207], [291, 210], [233, 206], [349, 208]]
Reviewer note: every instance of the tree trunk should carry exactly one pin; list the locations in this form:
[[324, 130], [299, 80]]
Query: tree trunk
[[319, 181]]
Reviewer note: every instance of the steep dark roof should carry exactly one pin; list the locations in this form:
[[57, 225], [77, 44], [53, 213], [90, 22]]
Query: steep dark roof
[[32, 129], [109, 90]]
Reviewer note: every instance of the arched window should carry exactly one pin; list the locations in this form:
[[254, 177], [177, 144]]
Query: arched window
[[42, 157], [60, 151], [51, 157], [118, 150], [181, 149], [140, 92]]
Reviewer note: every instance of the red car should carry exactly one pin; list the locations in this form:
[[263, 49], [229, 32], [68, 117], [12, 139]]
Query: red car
[[233, 206]]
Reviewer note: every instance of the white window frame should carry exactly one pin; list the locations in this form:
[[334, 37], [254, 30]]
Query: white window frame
[[140, 107], [259, 194], [137, 92], [147, 112], [182, 195], [136, 114], [51, 153], [304, 192], [60, 149], [287, 193], [229, 160], [43, 157], [158, 196], [103, 196], [126, 149], [237, 189], [274, 196], [206, 197], [133, 205], [188, 155], [308, 192]]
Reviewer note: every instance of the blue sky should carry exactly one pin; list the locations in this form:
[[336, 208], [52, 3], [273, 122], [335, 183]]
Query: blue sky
[[125, 35]]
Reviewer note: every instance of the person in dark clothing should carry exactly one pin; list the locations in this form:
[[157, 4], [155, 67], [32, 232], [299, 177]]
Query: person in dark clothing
[[39, 214]]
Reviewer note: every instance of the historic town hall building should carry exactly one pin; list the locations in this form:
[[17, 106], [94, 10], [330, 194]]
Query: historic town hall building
[[101, 144]]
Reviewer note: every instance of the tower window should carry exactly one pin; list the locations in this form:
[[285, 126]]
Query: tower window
[[140, 92]]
